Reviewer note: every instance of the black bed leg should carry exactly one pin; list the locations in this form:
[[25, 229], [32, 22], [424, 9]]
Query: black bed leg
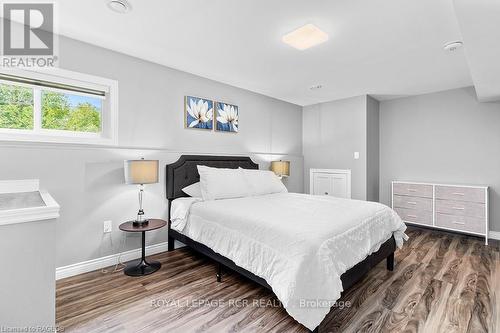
[[219, 272], [170, 244], [390, 262]]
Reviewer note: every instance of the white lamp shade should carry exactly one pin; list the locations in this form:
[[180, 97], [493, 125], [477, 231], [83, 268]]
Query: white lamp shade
[[281, 168], [141, 171]]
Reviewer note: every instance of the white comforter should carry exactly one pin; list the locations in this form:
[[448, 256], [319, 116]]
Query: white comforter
[[300, 244]]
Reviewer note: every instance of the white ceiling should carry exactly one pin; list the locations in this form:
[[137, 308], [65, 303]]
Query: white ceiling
[[386, 48]]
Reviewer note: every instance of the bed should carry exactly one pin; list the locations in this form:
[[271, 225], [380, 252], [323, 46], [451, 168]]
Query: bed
[[298, 253]]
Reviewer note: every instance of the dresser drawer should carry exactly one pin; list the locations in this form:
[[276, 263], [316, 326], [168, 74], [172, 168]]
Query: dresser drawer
[[413, 215], [462, 223], [418, 203], [472, 194], [416, 190], [461, 208]]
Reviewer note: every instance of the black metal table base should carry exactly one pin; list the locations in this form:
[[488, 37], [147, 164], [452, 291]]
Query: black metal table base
[[142, 268]]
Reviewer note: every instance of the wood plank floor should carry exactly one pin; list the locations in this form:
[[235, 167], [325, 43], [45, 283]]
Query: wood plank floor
[[442, 282]]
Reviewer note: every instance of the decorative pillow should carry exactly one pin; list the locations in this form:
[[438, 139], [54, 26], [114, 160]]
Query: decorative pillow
[[220, 183], [263, 182], [193, 190]]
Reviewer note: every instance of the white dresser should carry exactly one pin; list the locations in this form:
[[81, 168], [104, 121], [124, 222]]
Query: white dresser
[[461, 208]]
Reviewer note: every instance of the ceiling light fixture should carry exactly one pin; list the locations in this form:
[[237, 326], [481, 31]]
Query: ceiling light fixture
[[119, 6], [305, 37], [453, 46]]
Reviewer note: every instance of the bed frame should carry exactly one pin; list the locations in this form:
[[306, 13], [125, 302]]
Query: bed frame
[[184, 172]]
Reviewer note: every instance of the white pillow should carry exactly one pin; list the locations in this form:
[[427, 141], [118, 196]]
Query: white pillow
[[219, 183], [263, 182], [193, 190]]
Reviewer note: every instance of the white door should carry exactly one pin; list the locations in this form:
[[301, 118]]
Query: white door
[[336, 183]]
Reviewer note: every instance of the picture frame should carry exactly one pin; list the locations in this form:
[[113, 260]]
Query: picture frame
[[198, 113], [226, 117]]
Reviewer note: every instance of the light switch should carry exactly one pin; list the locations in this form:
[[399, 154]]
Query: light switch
[[356, 155]]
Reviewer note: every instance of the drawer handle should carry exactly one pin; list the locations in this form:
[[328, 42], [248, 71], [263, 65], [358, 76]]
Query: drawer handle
[[410, 215], [411, 203], [458, 193], [455, 222], [459, 208], [411, 190]]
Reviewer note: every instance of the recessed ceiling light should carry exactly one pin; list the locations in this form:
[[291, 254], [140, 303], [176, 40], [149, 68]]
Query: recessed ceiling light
[[305, 37], [119, 6], [453, 46]]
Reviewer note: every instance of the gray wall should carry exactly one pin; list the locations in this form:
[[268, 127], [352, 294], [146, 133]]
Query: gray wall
[[88, 181], [151, 106], [27, 282], [442, 137], [372, 150], [332, 132]]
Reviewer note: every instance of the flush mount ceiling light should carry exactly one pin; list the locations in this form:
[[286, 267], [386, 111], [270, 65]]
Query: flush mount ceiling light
[[305, 37], [119, 6], [453, 46]]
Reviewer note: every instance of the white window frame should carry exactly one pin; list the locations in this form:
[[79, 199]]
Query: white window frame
[[109, 111]]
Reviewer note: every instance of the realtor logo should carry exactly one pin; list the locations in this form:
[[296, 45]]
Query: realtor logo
[[28, 35]]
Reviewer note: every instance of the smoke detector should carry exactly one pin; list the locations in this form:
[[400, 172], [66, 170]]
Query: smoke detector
[[119, 6], [316, 87], [453, 46]]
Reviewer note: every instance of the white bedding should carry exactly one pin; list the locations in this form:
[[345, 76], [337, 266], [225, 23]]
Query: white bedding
[[300, 244]]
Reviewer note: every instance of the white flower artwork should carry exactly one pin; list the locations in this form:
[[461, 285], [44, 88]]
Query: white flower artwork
[[199, 113], [226, 117]]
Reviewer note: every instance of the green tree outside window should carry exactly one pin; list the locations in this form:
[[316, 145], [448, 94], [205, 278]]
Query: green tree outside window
[[16, 107], [59, 111]]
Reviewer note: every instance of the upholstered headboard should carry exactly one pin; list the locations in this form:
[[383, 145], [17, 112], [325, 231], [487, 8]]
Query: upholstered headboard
[[184, 172]]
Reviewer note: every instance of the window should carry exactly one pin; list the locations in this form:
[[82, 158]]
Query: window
[[61, 106], [69, 112], [16, 107]]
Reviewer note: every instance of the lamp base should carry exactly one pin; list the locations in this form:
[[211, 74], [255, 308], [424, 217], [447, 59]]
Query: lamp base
[[142, 223]]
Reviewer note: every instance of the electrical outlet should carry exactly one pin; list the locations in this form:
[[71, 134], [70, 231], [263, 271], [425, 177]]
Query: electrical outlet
[[356, 155], [108, 226]]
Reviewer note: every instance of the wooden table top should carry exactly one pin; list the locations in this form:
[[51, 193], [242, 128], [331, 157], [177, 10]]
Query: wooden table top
[[152, 225]]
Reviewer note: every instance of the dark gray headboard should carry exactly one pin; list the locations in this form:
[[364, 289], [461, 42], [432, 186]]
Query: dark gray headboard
[[184, 172]]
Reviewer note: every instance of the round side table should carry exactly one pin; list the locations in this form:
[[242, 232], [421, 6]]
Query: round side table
[[143, 267]]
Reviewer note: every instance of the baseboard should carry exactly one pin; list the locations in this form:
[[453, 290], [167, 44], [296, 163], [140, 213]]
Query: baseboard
[[98, 263], [494, 235]]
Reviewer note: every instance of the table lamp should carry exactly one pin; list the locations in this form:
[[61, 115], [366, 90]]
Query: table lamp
[[281, 168], [141, 172]]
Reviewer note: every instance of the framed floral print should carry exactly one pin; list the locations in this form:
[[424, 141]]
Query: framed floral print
[[226, 117], [198, 113]]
